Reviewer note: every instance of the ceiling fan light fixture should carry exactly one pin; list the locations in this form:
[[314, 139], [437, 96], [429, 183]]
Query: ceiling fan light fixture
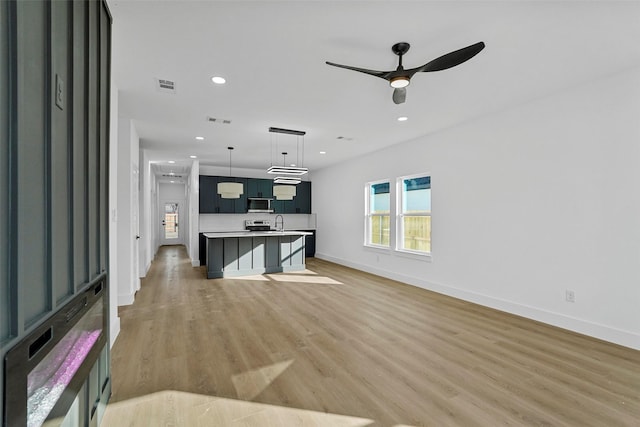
[[399, 82]]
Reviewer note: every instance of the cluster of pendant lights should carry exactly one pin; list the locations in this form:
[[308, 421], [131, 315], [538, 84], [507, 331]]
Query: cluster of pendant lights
[[288, 176]]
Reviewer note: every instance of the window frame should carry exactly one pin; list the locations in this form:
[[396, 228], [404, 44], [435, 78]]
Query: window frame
[[400, 215], [369, 215]]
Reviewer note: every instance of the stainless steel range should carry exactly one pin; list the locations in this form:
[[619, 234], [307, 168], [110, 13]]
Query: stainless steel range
[[257, 224]]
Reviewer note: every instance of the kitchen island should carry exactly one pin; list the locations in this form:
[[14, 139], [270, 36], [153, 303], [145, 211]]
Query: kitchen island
[[242, 253]]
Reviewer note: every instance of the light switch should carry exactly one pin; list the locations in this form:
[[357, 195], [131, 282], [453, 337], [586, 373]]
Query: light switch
[[59, 92]]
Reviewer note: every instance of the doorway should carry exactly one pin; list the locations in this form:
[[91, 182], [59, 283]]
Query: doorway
[[170, 231]]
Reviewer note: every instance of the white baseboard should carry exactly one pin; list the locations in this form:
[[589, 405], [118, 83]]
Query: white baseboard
[[195, 263], [114, 331], [581, 326], [126, 299]]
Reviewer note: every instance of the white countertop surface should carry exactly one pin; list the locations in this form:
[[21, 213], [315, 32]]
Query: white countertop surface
[[244, 233]]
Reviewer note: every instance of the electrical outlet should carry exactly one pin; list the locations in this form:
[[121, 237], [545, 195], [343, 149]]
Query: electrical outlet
[[570, 296]]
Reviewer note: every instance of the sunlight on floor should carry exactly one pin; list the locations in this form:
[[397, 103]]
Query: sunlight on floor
[[175, 408], [305, 276], [251, 383], [295, 277], [255, 277]]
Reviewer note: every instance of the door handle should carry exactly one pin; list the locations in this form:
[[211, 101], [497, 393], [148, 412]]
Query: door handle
[[137, 237]]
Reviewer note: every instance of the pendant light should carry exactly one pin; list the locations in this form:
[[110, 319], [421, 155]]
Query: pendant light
[[289, 170], [285, 192], [230, 190]]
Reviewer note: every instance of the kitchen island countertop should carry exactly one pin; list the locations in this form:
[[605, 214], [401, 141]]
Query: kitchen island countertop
[[245, 233]]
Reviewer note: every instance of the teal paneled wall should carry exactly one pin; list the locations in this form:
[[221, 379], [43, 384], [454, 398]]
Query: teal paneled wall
[[54, 136]]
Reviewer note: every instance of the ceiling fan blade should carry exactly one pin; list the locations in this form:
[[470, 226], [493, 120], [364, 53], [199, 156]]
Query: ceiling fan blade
[[399, 95], [451, 59], [381, 74]]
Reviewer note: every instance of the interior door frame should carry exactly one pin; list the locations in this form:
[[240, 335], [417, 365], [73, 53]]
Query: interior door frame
[[181, 222]]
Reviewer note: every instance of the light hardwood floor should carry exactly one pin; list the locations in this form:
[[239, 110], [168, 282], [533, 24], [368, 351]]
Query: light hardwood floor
[[338, 347]]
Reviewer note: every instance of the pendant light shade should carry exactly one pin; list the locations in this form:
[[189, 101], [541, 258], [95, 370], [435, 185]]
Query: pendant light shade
[[284, 192], [230, 190]]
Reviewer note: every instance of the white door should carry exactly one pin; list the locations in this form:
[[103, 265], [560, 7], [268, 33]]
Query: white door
[[170, 230]]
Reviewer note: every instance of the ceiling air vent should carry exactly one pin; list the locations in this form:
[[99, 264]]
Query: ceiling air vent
[[216, 120], [171, 175], [166, 85]]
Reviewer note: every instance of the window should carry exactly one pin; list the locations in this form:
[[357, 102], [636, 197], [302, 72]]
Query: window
[[414, 214], [378, 214]]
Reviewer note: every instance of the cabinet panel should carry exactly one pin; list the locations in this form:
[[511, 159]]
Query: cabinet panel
[[79, 137], [297, 250], [272, 247], [230, 254], [6, 102], [259, 252], [207, 195], [61, 244], [103, 161], [238, 205], [303, 198], [245, 254], [92, 138], [32, 162], [259, 187]]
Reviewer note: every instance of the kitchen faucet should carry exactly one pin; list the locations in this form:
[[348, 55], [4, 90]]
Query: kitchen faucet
[[281, 222]]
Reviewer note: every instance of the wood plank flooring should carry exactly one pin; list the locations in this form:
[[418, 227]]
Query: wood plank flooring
[[338, 347]]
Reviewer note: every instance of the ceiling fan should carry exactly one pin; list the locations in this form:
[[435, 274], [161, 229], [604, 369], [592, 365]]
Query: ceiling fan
[[399, 78]]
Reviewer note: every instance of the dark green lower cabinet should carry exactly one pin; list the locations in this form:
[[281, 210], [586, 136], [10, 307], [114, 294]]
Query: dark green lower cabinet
[[242, 256]]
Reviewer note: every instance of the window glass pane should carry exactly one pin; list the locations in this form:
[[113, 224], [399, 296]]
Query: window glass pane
[[414, 222], [417, 233], [379, 230], [417, 201], [379, 198]]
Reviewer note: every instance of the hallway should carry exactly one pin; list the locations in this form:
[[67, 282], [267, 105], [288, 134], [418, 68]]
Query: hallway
[[336, 346]]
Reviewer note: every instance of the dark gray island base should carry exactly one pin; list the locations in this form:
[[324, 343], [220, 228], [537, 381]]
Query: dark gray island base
[[247, 253]]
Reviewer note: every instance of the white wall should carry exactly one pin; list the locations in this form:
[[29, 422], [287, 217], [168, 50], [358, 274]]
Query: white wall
[[128, 167], [193, 202], [527, 203], [145, 248], [114, 320]]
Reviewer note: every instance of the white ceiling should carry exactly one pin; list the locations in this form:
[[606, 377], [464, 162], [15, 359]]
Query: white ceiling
[[273, 55]]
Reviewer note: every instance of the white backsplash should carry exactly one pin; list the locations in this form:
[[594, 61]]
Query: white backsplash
[[235, 222]]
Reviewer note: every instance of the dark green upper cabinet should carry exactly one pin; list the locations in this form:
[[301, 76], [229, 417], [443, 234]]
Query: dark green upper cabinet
[[301, 203], [238, 205], [211, 202], [208, 194], [303, 198], [258, 187]]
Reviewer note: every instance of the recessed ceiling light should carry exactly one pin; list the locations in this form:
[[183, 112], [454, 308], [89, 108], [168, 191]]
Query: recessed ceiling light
[[172, 182], [403, 118], [172, 161], [293, 164], [218, 80], [194, 157], [199, 138], [323, 152]]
